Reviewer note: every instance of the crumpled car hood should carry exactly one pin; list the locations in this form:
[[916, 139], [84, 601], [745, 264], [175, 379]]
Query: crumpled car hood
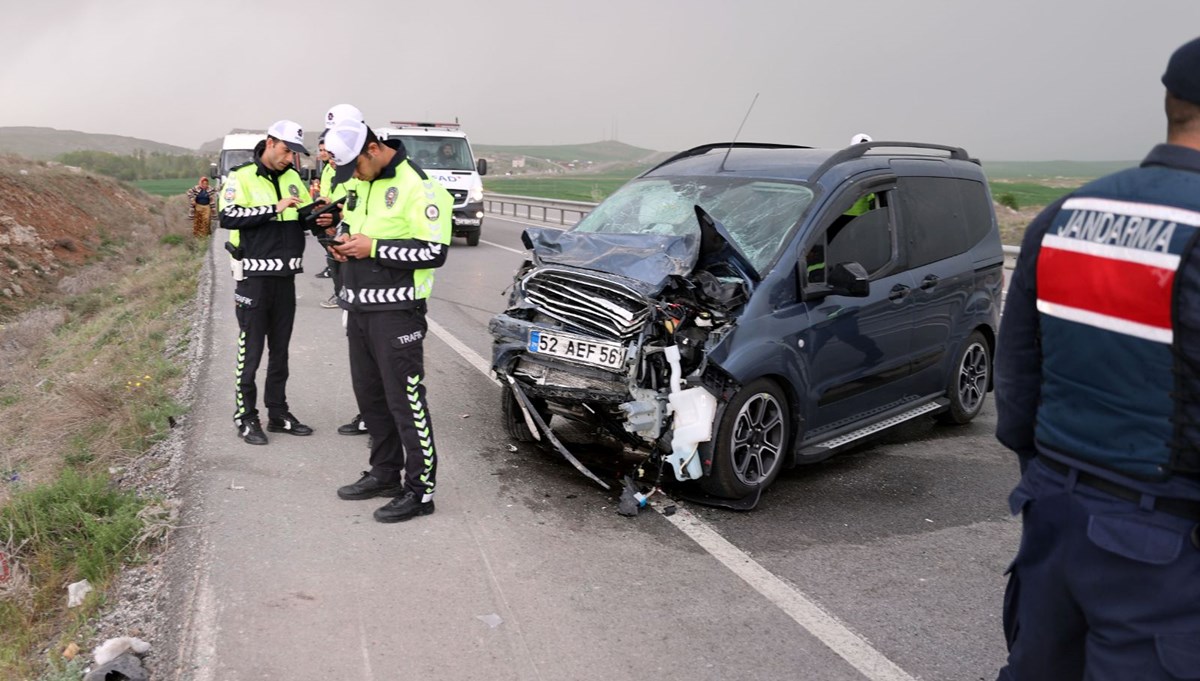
[[648, 258]]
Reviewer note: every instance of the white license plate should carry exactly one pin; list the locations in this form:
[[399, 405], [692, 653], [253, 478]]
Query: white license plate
[[594, 352]]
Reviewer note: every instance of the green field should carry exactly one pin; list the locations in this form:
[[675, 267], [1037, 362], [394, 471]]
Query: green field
[[594, 188], [564, 153], [1029, 194], [165, 187]]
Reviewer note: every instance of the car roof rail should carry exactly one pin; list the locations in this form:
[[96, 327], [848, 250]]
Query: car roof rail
[[705, 148], [859, 150]]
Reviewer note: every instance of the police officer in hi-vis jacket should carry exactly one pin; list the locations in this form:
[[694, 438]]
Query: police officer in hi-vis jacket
[[399, 232], [263, 205], [1098, 393]]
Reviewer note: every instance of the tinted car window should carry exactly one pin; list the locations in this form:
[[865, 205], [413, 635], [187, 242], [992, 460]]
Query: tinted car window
[[933, 217], [865, 239], [977, 208], [758, 214]]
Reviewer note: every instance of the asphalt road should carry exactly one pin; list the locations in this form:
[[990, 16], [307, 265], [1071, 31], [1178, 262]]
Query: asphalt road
[[882, 563]]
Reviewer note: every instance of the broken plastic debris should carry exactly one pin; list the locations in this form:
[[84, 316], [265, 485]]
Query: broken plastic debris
[[126, 667], [464, 416], [114, 647], [928, 520], [669, 510], [512, 448], [493, 620], [77, 592]]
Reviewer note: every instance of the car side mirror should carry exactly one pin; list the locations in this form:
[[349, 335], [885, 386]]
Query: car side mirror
[[212, 170], [850, 279], [481, 166]]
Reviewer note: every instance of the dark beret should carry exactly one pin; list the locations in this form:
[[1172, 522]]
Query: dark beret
[[1183, 72]]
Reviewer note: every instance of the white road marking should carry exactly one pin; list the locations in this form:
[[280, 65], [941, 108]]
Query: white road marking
[[461, 348], [513, 250], [851, 647], [840, 639]]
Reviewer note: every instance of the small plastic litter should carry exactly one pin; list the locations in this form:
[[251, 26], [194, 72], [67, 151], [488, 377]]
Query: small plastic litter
[[512, 448], [464, 416], [669, 510], [493, 620], [631, 499], [115, 647], [77, 592], [233, 486], [71, 650]]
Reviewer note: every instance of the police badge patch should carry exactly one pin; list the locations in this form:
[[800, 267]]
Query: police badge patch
[[389, 199], [431, 212], [294, 191], [230, 192]]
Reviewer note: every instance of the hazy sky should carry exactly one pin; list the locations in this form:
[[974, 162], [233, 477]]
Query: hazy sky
[[1008, 80]]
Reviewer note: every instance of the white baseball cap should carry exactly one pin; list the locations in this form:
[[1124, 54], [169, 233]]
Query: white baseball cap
[[344, 142], [340, 112], [290, 133]]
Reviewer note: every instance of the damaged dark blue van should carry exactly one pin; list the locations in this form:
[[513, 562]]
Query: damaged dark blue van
[[744, 307]]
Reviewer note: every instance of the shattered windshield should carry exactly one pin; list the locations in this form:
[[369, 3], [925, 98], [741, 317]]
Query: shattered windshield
[[757, 213]]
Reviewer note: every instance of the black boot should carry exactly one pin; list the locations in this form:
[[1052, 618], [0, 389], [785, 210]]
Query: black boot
[[286, 423], [251, 432], [369, 486], [403, 508], [357, 426]]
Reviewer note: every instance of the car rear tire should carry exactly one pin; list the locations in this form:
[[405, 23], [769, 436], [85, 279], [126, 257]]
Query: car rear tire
[[514, 418], [967, 388], [473, 239], [751, 441]]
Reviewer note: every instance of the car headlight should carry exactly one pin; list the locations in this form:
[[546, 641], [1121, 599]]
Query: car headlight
[[475, 194]]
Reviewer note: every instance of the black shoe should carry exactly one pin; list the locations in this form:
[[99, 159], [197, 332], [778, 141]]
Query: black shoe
[[287, 424], [357, 426], [250, 430], [403, 508], [369, 486], [324, 274]]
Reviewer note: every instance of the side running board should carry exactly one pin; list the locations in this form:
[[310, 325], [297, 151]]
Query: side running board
[[823, 449]]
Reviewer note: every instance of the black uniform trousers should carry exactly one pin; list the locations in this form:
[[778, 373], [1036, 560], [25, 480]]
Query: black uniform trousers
[[266, 309], [387, 368]]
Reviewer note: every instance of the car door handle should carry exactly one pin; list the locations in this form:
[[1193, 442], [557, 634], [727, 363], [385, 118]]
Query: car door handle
[[898, 291], [929, 281]]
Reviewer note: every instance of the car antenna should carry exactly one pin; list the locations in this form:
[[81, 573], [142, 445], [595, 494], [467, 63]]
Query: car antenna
[[738, 134]]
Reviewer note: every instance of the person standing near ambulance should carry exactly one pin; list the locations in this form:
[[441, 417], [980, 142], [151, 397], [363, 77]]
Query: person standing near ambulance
[[1098, 394], [400, 231], [263, 205]]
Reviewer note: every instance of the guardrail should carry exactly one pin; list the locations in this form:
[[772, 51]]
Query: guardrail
[[528, 207]]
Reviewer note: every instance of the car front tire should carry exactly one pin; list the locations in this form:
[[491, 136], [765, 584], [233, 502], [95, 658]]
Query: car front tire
[[514, 418], [751, 441]]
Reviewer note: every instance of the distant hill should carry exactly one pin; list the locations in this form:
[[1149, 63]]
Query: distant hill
[[597, 152], [44, 144], [1084, 170]]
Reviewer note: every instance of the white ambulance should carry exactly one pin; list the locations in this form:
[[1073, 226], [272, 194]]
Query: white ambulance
[[443, 152]]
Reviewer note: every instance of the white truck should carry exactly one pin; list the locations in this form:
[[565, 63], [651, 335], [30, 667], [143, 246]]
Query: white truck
[[443, 152], [238, 148]]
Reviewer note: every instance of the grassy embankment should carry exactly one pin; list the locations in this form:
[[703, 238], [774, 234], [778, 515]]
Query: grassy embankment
[[87, 377], [173, 187]]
